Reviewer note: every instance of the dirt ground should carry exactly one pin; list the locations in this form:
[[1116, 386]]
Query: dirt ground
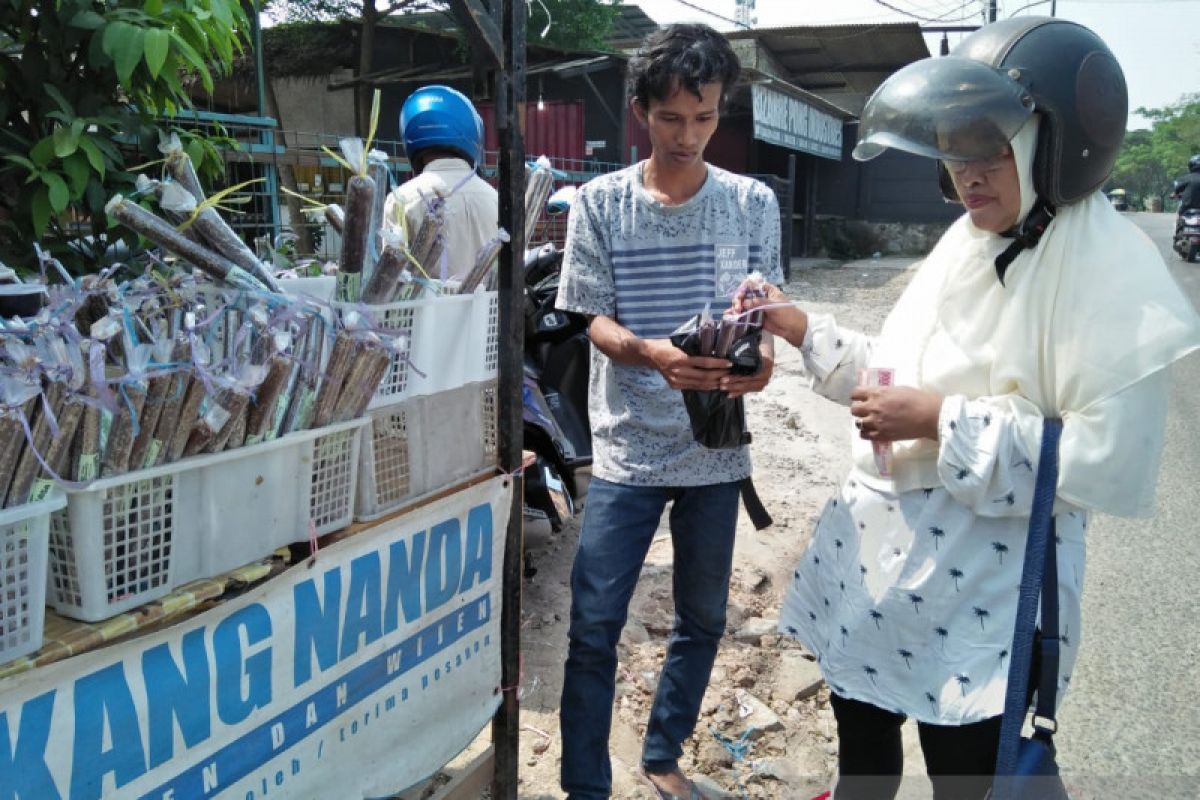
[[765, 729]]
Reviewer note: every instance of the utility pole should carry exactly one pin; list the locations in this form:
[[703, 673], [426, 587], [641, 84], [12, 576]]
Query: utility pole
[[991, 10], [745, 13]]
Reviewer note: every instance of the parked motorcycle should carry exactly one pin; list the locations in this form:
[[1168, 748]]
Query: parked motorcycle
[[1187, 235], [557, 359]]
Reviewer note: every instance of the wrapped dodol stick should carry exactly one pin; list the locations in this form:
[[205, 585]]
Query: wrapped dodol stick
[[485, 261], [340, 360], [392, 270], [369, 367], [12, 441], [156, 396], [58, 452], [539, 183], [138, 219], [120, 434], [172, 402], [260, 422], [85, 453], [360, 197], [336, 217], [188, 417], [377, 169], [235, 404], [237, 434], [211, 227], [427, 244], [27, 466]]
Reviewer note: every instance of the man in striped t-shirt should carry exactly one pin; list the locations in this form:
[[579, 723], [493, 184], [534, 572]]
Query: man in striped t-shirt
[[647, 248]]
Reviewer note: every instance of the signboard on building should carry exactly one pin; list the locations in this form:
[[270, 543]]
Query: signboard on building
[[788, 121], [356, 674]]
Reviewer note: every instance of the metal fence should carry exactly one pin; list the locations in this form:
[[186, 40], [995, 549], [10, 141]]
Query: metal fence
[[254, 150]]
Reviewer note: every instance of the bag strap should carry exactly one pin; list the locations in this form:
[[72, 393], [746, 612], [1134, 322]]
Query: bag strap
[[755, 509], [1038, 579]]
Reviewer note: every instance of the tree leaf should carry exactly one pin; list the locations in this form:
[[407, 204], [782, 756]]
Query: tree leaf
[[78, 172], [129, 54], [66, 141], [94, 157], [60, 195], [195, 151], [115, 33], [52, 91], [39, 209], [157, 44], [87, 20], [43, 151], [194, 60], [23, 161], [154, 8]]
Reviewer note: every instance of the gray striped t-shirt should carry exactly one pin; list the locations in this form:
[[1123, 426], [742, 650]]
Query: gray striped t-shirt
[[650, 267]]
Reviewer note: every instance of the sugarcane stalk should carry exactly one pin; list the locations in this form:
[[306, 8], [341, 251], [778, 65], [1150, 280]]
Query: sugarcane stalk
[[385, 281], [340, 360], [141, 221], [426, 246], [360, 197], [120, 434], [377, 169]]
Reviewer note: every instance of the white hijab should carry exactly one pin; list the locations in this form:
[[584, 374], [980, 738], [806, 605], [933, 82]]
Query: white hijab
[[1089, 312]]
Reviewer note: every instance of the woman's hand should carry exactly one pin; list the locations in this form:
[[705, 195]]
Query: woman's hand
[[784, 319], [683, 371], [895, 413]]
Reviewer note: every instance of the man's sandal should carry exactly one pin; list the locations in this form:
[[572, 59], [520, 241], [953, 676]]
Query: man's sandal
[[693, 792]]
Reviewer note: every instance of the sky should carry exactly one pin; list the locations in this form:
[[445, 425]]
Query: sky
[[1157, 42]]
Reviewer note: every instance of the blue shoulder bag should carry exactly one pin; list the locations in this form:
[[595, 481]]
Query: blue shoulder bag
[[1025, 766]]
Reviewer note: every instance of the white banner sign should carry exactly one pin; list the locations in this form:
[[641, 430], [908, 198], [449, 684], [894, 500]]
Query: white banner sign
[[354, 675], [787, 121]]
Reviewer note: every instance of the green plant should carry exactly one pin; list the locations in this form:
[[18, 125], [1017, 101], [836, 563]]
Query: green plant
[[83, 83]]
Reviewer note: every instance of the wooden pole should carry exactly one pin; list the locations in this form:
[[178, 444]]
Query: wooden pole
[[510, 94]]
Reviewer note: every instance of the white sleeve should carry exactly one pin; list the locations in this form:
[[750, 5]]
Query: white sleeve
[[833, 356]]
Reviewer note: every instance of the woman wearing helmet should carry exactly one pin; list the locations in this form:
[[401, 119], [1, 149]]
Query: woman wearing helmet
[[1040, 301], [443, 139]]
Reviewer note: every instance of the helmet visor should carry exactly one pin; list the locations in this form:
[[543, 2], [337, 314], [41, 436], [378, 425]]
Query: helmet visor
[[949, 108]]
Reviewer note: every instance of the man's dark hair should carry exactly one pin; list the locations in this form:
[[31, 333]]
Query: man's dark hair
[[681, 57]]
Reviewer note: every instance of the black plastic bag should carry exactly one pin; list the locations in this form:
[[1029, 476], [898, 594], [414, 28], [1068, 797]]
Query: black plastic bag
[[719, 421]]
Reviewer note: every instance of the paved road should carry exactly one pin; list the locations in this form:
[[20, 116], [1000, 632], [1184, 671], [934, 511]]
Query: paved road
[[1132, 715]]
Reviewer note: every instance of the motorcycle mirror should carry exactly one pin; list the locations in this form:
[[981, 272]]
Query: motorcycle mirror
[[560, 202]]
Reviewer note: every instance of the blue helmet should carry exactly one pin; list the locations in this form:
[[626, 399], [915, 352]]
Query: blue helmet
[[441, 117]]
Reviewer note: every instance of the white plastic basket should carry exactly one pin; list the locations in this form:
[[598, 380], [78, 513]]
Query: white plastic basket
[[453, 340], [130, 539], [23, 543], [424, 444]]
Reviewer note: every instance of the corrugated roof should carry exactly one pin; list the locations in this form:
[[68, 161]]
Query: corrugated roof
[[842, 63]]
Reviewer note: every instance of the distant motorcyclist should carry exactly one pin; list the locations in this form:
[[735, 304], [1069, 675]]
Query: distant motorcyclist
[[1187, 188]]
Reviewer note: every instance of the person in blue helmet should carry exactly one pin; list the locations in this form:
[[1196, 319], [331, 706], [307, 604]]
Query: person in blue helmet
[[443, 139]]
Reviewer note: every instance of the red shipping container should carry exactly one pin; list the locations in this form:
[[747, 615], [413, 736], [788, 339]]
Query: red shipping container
[[556, 130]]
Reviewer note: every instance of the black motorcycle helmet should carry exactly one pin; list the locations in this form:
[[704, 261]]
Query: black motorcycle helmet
[[1194, 163], [966, 105]]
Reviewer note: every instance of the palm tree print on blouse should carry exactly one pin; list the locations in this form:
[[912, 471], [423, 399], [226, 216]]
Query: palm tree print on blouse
[[959, 472], [862, 575], [916, 601], [963, 682], [838, 544], [845, 633], [982, 614], [876, 615], [842, 586], [938, 534], [1010, 498], [871, 673], [1003, 655], [1001, 548], [906, 655], [943, 634], [932, 701], [1065, 637], [956, 574]]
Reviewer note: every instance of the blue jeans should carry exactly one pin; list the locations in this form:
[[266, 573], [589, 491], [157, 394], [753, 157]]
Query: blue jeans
[[618, 524]]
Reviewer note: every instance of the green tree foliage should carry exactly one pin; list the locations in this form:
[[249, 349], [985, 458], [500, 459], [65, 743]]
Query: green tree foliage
[[574, 24], [82, 83], [1150, 159]]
